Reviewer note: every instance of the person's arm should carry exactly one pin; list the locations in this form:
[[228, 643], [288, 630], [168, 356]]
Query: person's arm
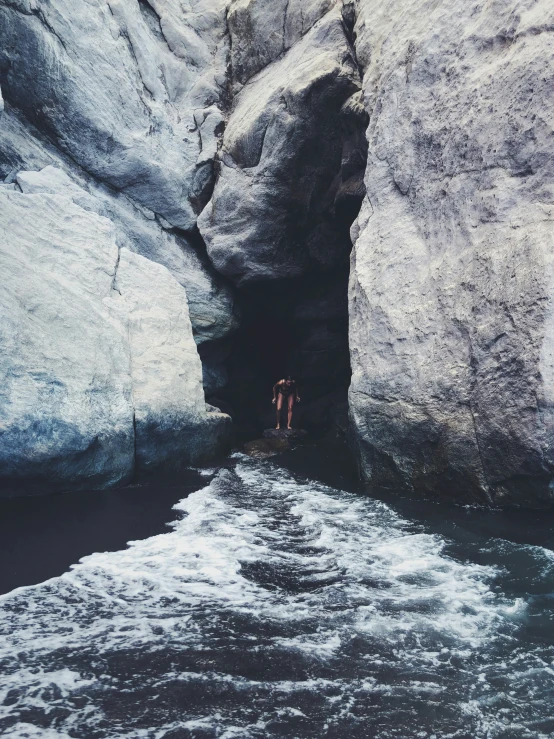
[[275, 391], [297, 394]]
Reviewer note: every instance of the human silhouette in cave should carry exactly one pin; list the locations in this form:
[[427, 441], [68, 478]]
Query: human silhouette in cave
[[285, 389]]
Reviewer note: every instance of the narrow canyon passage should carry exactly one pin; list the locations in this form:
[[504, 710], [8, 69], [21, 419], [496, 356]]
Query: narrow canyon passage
[[293, 302], [295, 327]]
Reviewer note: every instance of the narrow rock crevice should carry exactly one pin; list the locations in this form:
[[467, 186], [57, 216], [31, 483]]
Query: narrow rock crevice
[[114, 279], [290, 265]]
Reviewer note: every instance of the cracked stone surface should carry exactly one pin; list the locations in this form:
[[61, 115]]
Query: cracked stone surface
[[99, 369], [451, 328], [270, 214]]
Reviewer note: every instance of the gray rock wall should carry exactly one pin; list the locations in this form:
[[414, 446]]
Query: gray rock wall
[[100, 376], [452, 271], [135, 123], [270, 214], [125, 89]]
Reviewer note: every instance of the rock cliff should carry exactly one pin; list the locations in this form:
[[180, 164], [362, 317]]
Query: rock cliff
[[210, 159], [452, 269], [100, 373], [107, 142]]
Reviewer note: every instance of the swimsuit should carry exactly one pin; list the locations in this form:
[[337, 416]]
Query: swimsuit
[[286, 390]]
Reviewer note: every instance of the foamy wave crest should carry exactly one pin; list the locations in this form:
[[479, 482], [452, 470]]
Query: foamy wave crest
[[275, 607]]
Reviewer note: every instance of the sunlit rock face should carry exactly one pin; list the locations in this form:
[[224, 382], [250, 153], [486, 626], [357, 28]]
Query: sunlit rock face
[[452, 275], [100, 373], [271, 215]]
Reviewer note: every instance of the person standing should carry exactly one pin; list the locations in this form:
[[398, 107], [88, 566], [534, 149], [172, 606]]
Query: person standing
[[285, 389]]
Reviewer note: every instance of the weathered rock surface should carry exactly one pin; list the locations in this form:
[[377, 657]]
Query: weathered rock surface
[[260, 32], [173, 425], [290, 183], [99, 372], [271, 215], [451, 331], [126, 89], [211, 303]]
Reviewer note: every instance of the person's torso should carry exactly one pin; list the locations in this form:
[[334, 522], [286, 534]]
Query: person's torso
[[287, 389]]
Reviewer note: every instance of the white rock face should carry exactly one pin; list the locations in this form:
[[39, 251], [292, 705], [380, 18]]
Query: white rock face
[[452, 276], [212, 310], [117, 85], [280, 157], [66, 395], [168, 398], [75, 353]]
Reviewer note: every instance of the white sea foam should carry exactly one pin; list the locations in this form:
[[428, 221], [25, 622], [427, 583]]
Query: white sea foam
[[274, 605]]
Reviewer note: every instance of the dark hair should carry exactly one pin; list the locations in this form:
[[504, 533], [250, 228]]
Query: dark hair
[[289, 377]]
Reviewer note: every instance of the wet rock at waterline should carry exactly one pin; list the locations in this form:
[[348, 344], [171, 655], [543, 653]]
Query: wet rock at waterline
[[451, 332], [173, 424], [100, 373], [285, 434], [274, 442], [265, 448]]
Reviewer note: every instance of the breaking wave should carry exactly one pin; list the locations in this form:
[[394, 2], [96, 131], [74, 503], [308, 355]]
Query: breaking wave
[[279, 607]]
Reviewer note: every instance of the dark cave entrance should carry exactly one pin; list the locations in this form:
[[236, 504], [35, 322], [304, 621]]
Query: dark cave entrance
[[299, 326], [296, 327]]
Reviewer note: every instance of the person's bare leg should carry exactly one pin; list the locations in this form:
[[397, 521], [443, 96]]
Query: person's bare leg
[[289, 416], [279, 406]]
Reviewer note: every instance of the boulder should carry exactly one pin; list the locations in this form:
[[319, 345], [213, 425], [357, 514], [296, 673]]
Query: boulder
[[66, 409], [260, 32], [211, 303], [173, 426], [99, 370], [271, 214], [285, 434]]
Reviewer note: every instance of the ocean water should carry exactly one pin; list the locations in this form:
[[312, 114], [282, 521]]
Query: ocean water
[[277, 606]]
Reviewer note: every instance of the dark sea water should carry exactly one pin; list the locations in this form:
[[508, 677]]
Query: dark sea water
[[278, 606]]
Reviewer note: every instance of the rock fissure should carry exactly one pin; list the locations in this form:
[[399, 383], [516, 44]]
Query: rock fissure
[[116, 266]]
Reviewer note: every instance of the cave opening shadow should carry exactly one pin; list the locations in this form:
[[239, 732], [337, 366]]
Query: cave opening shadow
[[299, 326], [292, 327]]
